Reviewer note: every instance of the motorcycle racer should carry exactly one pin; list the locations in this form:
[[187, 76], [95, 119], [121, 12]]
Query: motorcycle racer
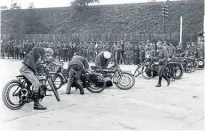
[[29, 70]]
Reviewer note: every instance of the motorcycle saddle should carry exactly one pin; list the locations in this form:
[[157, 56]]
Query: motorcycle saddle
[[23, 77]]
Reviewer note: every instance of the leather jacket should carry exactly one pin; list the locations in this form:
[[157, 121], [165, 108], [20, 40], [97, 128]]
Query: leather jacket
[[32, 57]]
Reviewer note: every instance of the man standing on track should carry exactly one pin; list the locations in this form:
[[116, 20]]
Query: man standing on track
[[163, 57]]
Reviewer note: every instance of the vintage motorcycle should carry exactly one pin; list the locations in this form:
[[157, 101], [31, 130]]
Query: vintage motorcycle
[[93, 82], [114, 74], [173, 69], [22, 89], [190, 64]]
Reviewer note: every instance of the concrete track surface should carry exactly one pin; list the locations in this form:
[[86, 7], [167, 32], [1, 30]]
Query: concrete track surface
[[179, 106]]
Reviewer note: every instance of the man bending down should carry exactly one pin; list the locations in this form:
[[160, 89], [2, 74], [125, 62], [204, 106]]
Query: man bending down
[[77, 65]]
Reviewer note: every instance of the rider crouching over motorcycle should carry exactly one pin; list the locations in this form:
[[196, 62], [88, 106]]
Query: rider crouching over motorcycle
[[163, 57], [77, 65], [29, 70], [102, 60]]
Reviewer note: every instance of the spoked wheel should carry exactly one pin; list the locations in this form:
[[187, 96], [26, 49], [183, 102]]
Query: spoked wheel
[[11, 95], [187, 68], [176, 71], [58, 81], [96, 83], [194, 65], [147, 73], [137, 71], [53, 88], [125, 81]]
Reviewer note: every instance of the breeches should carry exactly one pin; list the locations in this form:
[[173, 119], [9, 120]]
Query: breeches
[[29, 74]]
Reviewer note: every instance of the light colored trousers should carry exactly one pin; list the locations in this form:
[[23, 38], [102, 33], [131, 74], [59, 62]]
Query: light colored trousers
[[29, 74]]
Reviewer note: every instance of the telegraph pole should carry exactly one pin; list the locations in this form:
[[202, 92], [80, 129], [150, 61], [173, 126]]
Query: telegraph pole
[[165, 12]]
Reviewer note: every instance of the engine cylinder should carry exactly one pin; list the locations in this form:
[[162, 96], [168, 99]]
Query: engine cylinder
[[24, 94]]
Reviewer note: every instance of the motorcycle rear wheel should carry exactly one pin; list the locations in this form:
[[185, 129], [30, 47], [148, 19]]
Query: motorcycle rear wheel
[[94, 87], [194, 65], [145, 73], [174, 70], [6, 98]]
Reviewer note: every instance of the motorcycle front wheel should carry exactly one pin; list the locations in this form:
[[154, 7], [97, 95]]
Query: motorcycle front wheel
[[125, 81], [57, 80], [53, 88]]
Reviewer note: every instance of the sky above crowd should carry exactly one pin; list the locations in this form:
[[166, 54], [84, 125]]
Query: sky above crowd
[[62, 3]]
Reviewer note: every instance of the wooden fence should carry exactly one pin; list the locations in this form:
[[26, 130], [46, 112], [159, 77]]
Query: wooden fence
[[102, 37]]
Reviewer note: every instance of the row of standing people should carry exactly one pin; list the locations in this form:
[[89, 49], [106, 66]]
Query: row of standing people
[[124, 52]]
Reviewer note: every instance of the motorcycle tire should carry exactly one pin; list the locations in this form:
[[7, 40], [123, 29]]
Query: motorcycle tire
[[187, 68], [173, 71], [137, 71], [5, 95], [53, 88], [93, 86], [54, 78], [147, 73], [195, 65], [130, 85]]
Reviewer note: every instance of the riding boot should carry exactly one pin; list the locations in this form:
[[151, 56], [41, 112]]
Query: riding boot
[[159, 82], [167, 79], [68, 89], [37, 105]]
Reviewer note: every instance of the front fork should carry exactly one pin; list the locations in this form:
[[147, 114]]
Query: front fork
[[117, 76]]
